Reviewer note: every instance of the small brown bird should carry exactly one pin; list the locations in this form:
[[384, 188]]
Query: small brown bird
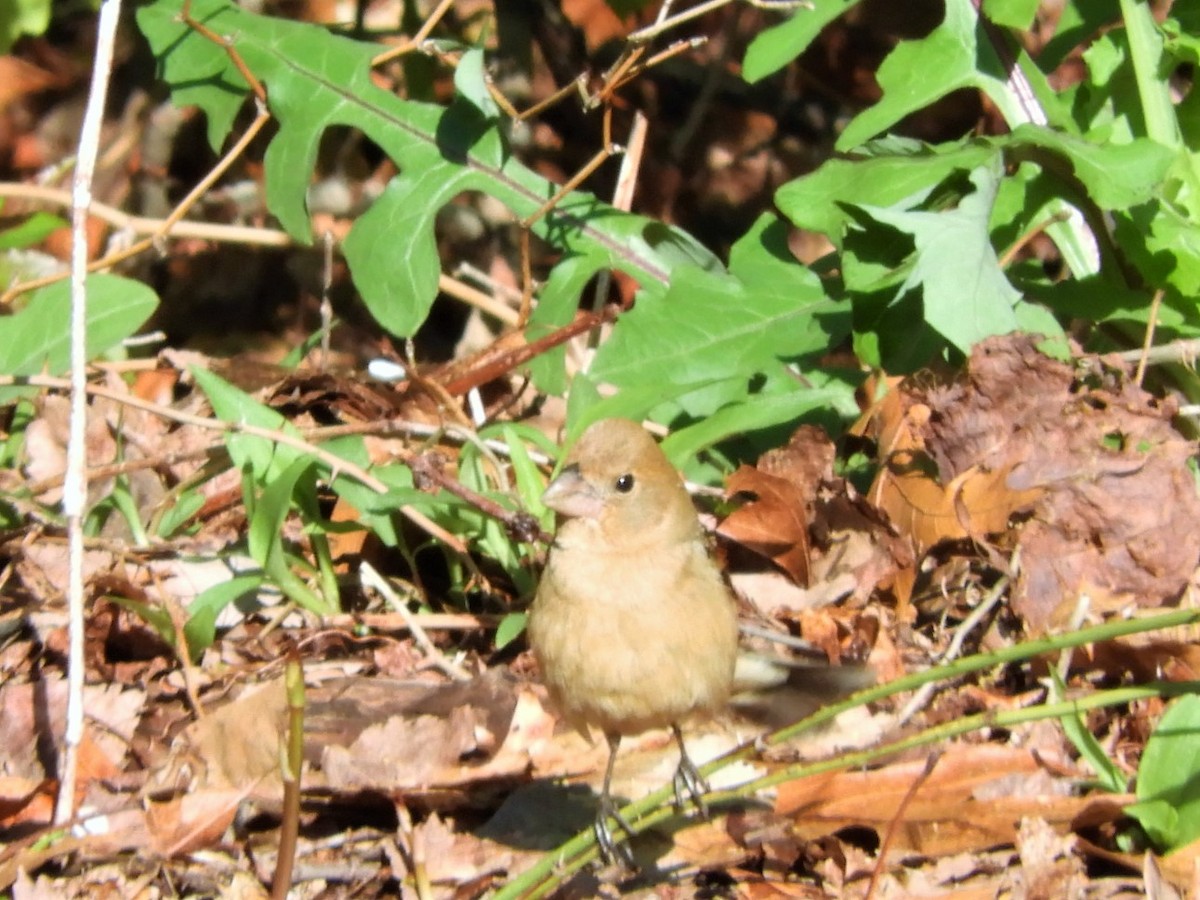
[[632, 625]]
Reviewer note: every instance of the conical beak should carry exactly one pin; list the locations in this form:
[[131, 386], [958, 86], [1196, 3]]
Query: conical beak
[[570, 495]]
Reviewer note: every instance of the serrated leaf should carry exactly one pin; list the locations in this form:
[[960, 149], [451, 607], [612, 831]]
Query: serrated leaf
[[315, 80], [955, 55], [817, 201], [709, 327]]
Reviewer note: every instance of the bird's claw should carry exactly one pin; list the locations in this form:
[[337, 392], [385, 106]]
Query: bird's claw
[[612, 850], [688, 777]]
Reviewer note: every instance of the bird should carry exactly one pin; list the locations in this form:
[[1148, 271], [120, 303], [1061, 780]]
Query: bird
[[632, 625]]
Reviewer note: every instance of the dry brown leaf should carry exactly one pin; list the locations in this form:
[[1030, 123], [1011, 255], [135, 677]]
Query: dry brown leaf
[[25, 800], [1114, 511], [944, 816], [45, 448], [595, 19], [773, 525], [192, 821], [233, 749], [974, 504], [19, 77], [431, 742], [854, 551]]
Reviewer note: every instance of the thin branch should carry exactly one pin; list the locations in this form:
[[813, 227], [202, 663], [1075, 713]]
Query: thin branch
[[75, 487], [167, 224], [147, 225], [1151, 323], [372, 579]]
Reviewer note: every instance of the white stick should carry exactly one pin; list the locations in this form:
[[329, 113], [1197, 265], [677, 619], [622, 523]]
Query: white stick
[[75, 483]]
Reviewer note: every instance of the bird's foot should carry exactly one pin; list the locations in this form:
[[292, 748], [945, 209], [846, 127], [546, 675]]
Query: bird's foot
[[612, 850], [688, 778]]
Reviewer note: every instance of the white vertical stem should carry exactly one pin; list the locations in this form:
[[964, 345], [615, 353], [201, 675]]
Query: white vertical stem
[[75, 483]]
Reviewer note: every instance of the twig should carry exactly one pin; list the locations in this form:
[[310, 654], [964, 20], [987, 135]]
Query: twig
[[631, 163], [1182, 351], [1151, 323], [160, 229], [168, 223], [226, 44], [75, 487], [881, 856], [417, 39], [521, 525], [977, 615], [457, 433], [665, 24], [426, 621], [372, 579], [147, 225]]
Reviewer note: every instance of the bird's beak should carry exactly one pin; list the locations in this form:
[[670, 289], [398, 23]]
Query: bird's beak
[[570, 495]]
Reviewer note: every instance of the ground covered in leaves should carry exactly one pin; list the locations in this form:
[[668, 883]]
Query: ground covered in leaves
[[966, 515]]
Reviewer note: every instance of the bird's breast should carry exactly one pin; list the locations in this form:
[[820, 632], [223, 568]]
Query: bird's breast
[[628, 642]]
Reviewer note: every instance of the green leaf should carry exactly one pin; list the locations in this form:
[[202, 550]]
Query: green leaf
[[510, 629], [895, 171], [33, 230], [314, 81], [260, 457], [179, 512], [378, 512], [154, 616], [917, 73], [21, 17], [530, 482], [709, 327], [37, 339], [558, 300], [755, 412], [1168, 806], [1164, 243], [1111, 777], [295, 485], [1078, 23], [200, 629], [774, 48], [966, 296], [471, 82], [1146, 55], [1016, 14], [1116, 175]]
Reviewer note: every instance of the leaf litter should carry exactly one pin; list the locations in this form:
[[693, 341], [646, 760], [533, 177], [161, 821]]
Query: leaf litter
[[473, 766], [1069, 478]]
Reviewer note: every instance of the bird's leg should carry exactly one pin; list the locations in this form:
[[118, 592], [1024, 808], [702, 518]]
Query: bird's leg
[[610, 849], [688, 777]]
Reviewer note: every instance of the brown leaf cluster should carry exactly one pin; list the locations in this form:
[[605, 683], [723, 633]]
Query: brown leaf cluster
[[1084, 462]]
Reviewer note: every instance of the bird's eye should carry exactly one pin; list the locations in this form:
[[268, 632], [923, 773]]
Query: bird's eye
[[624, 483]]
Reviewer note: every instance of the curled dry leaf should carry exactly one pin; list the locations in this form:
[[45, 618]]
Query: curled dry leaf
[[1093, 461], [853, 552], [772, 525]]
